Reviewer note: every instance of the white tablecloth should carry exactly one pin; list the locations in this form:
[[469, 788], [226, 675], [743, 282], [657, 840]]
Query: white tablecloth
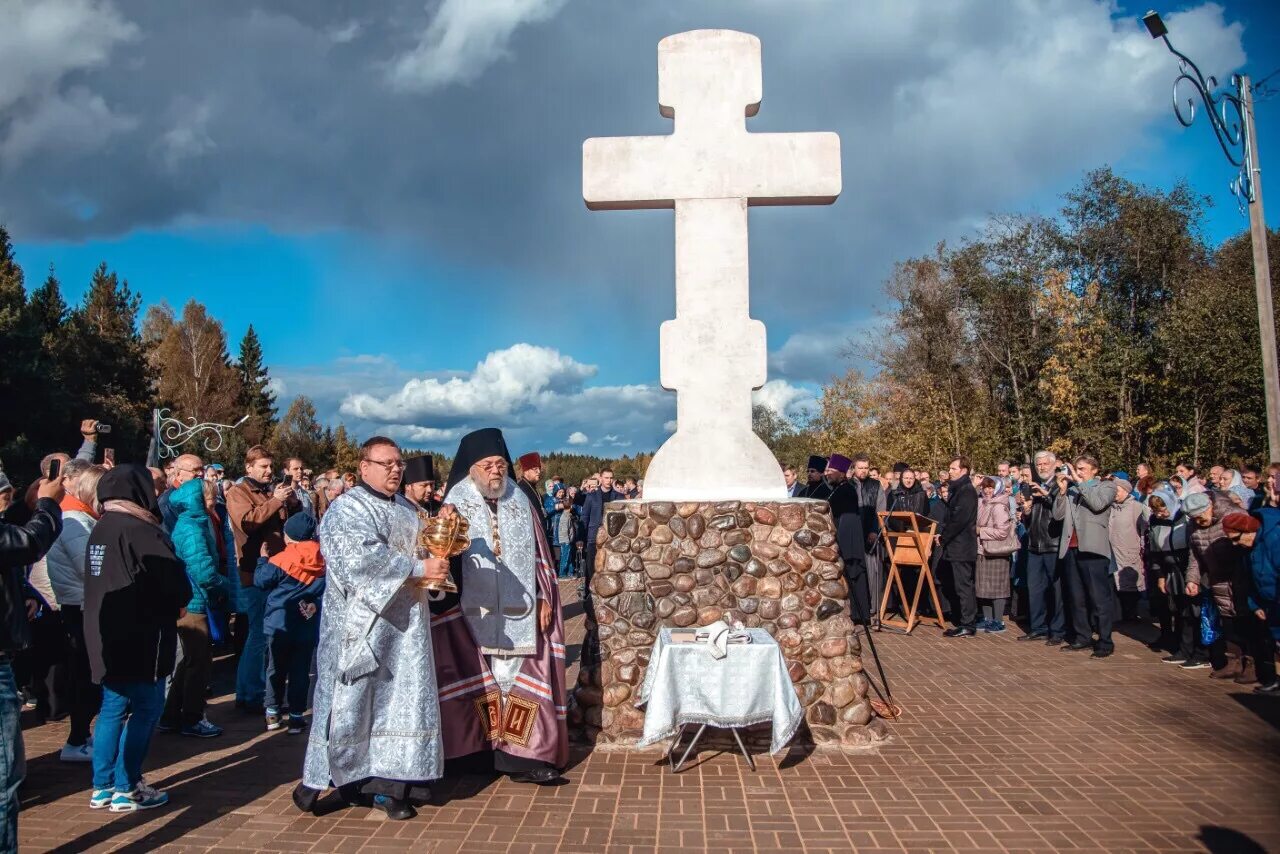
[[686, 685]]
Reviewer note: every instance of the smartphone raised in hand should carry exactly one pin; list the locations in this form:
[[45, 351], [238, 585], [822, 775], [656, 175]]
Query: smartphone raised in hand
[[287, 480], [55, 469], [109, 455]]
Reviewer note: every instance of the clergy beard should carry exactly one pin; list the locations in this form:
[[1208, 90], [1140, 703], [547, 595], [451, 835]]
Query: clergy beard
[[490, 489]]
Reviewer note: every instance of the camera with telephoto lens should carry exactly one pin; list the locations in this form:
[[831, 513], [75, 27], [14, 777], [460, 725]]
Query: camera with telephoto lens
[[99, 427]]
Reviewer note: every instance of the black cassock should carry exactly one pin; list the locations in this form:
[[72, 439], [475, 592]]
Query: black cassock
[[852, 543]]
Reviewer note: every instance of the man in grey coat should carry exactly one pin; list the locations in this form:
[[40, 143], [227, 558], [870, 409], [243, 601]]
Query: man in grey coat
[[1084, 506]]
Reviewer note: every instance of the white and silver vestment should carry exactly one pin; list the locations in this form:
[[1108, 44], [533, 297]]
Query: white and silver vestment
[[376, 712], [499, 592]]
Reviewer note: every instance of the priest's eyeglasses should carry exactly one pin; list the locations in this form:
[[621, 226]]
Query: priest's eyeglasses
[[389, 465]]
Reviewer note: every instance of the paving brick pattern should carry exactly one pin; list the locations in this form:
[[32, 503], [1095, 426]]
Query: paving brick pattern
[[1005, 747]]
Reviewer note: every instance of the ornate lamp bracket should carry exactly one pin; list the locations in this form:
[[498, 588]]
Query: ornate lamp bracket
[[172, 433], [1225, 111]]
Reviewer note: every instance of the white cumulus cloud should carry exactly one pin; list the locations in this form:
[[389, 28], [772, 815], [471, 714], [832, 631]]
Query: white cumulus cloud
[[503, 384], [463, 39], [577, 437], [787, 400]]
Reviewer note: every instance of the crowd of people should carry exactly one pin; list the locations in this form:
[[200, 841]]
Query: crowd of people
[[1074, 549], [122, 583]]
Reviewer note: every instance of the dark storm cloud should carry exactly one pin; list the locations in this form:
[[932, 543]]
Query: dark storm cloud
[[308, 116]]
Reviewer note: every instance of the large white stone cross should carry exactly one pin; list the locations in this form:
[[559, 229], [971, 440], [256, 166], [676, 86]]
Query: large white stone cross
[[710, 170]]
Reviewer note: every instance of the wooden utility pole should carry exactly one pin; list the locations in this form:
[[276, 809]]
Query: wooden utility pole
[[1262, 277]]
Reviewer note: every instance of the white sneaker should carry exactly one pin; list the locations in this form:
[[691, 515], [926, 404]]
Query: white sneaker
[[77, 753], [144, 797]]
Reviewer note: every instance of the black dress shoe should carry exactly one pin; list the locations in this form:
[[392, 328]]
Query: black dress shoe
[[538, 777], [1077, 646], [1102, 653], [1030, 636], [960, 632], [396, 809], [1052, 641], [305, 797]]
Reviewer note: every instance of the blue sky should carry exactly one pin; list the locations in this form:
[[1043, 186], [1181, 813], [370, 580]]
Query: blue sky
[[392, 198]]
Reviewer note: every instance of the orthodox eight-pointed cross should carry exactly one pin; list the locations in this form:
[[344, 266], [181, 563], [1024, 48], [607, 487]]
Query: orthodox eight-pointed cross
[[710, 170]]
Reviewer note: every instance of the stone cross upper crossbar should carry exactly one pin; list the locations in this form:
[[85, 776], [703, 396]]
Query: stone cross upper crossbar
[[710, 170]]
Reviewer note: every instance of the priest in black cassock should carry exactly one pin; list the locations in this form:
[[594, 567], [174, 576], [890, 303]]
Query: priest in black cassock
[[420, 483], [843, 498], [499, 641], [530, 474], [817, 487], [849, 537]]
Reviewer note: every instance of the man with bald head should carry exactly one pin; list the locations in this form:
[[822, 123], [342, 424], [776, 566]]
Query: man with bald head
[[184, 468]]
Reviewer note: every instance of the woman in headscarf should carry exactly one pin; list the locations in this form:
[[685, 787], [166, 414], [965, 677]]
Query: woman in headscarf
[[908, 495], [1240, 495], [135, 590], [995, 554], [1166, 559], [1124, 532]]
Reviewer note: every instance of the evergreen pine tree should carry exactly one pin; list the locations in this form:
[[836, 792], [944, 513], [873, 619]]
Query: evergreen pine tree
[[48, 309], [20, 345], [47, 317], [257, 399], [106, 368]]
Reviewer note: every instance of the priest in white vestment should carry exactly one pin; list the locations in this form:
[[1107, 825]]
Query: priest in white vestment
[[375, 730]]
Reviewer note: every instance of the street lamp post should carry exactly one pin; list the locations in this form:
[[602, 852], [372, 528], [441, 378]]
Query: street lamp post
[[1231, 117]]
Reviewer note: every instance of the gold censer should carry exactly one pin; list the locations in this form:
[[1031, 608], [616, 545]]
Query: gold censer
[[441, 537]]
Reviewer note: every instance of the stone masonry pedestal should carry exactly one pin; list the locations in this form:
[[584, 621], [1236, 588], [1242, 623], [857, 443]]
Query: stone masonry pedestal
[[768, 564]]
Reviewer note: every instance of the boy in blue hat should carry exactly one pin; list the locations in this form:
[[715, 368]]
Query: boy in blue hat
[[294, 583]]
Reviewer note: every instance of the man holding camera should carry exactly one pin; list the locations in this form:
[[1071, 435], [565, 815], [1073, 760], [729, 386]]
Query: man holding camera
[[258, 508], [1086, 546], [1036, 501]]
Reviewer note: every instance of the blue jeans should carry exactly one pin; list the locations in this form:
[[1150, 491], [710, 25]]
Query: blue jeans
[[251, 672], [1044, 594], [566, 560], [122, 733], [13, 758], [290, 662]]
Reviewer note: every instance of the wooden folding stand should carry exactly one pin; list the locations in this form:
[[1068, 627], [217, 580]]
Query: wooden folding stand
[[909, 547]]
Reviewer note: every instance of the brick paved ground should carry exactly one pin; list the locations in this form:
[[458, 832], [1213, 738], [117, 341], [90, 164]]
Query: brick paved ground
[[1004, 748]]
